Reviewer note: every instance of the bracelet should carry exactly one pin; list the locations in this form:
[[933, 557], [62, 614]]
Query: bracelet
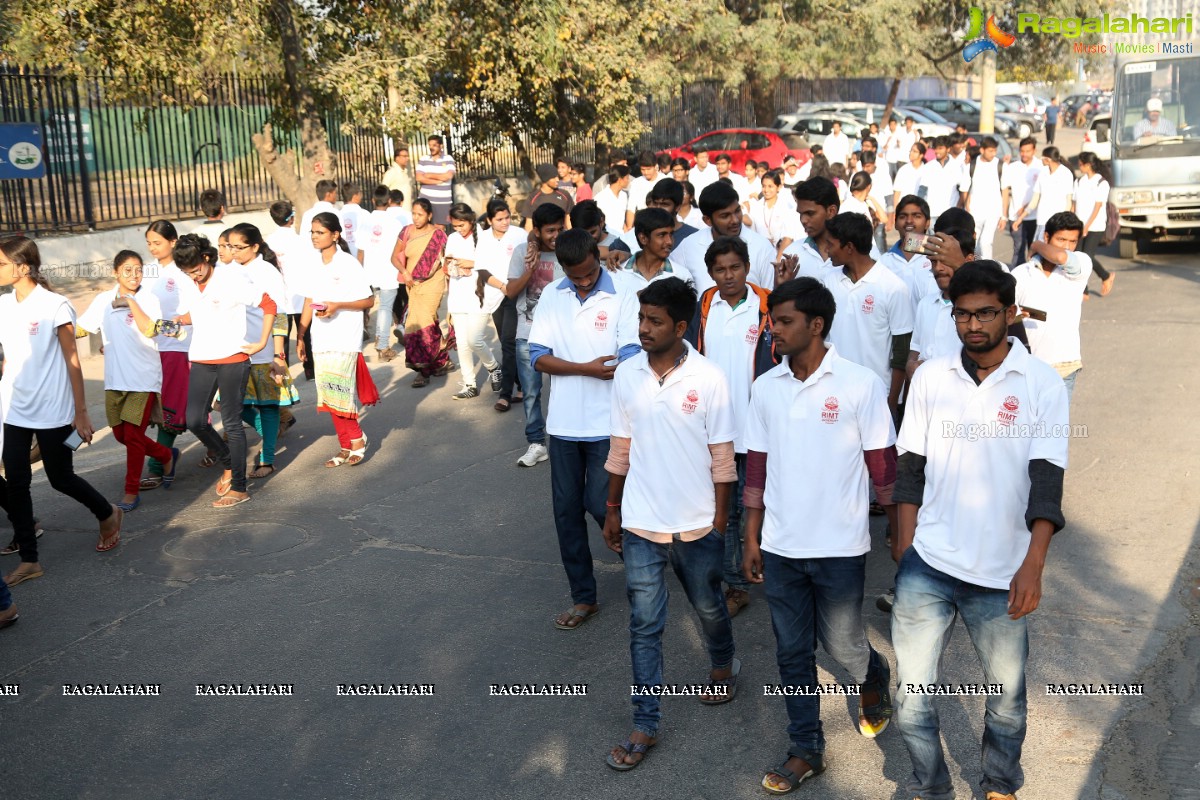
[[613, 505], [281, 357]]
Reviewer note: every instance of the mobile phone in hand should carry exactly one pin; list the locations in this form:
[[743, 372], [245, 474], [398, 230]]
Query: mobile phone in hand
[[1034, 313], [915, 243], [74, 441]]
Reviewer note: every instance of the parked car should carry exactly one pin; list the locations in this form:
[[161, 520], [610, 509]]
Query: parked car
[[816, 125], [1003, 148], [1096, 139], [1029, 123], [965, 111], [866, 113], [745, 144]]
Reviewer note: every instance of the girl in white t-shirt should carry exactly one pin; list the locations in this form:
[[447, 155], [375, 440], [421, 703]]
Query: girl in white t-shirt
[[1090, 204], [128, 320], [465, 306], [215, 302], [164, 280], [339, 291], [773, 216], [42, 395], [493, 255], [269, 389], [861, 202]]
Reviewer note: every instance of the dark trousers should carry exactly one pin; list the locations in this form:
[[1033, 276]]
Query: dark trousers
[[400, 306], [505, 320], [294, 320], [1091, 243], [58, 461], [1051, 127], [579, 486], [203, 383], [1022, 237]]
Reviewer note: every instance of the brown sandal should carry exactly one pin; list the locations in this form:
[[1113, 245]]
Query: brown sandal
[[420, 382]]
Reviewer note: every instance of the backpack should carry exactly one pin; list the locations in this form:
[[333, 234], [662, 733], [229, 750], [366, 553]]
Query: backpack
[[1113, 226]]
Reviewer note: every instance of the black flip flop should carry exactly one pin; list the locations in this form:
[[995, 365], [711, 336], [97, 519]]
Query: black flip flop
[[730, 685], [632, 749]]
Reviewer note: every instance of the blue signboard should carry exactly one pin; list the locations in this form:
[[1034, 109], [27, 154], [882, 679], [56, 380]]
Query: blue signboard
[[21, 152]]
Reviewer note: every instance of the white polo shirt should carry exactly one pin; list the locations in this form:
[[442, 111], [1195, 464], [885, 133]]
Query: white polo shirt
[[907, 178], [1019, 178], [460, 295], [702, 177], [495, 255], [614, 207], [36, 389], [291, 252], [812, 263], [1089, 192], [934, 332], [342, 280], [689, 256], [219, 313], [353, 217], [669, 488], [166, 287], [942, 183], [730, 341], [377, 240], [599, 326], [917, 274], [637, 281], [639, 188], [319, 207], [1060, 295], [1056, 190], [814, 433], [986, 203], [978, 442], [131, 362], [869, 313]]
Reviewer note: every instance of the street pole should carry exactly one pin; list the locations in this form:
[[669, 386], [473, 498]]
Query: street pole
[[987, 101]]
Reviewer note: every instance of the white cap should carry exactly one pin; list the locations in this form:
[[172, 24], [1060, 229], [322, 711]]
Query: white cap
[[1154, 104]]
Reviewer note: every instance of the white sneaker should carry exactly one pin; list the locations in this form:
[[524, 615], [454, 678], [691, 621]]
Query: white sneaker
[[536, 454]]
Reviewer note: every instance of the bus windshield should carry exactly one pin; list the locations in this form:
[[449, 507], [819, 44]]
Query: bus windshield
[[1157, 102]]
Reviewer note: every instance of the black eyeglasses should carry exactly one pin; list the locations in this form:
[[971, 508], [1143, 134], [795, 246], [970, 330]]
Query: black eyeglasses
[[962, 316]]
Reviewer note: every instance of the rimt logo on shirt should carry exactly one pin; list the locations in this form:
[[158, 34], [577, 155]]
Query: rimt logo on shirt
[[33, 328], [129, 318], [377, 230], [829, 414], [868, 304], [693, 399], [170, 284], [1008, 410], [982, 37], [752, 335], [601, 321]]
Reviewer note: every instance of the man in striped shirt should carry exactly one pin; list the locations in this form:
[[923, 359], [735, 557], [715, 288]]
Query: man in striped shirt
[[435, 173]]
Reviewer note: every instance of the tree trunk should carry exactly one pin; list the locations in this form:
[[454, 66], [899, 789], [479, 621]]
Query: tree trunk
[[891, 102], [317, 161], [522, 155], [762, 96]]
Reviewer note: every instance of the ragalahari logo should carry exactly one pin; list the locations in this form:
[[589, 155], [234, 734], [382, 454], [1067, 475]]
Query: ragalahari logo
[[982, 37]]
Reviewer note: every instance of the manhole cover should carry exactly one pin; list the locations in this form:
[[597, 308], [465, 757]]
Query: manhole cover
[[246, 540]]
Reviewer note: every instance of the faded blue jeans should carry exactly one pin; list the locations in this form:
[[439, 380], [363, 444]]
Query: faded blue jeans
[[698, 566], [734, 578], [531, 385], [383, 318], [927, 603], [817, 600]]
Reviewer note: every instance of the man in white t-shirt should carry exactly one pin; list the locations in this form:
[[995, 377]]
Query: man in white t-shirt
[[613, 199], [377, 239], [725, 171], [586, 322], [912, 218], [669, 505], [1051, 194], [985, 202], [640, 186], [1053, 283], [791, 173], [1016, 184], [732, 328], [352, 216], [895, 144], [399, 177], [875, 324], [837, 147], [326, 197], [940, 181], [703, 173], [818, 428], [212, 206], [722, 210], [979, 482]]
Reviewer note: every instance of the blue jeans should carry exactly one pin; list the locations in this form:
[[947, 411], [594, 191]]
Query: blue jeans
[[698, 566], [579, 486], [5, 597], [927, 602], [1070, 384], [733, 532], [531, 385], [383, 318], [817, 600]]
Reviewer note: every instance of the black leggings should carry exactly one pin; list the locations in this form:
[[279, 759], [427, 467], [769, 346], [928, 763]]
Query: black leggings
[[505, 319], [58, 462], [294, 320], [203, 383], [1091, 243]]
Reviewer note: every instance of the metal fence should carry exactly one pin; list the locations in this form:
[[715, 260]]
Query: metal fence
[[112, 163]]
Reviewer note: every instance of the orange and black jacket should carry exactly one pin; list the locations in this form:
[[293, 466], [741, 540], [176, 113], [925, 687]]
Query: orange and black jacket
[[764, 351]]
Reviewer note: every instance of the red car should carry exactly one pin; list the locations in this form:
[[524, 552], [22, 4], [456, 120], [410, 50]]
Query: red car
[[745, 144]]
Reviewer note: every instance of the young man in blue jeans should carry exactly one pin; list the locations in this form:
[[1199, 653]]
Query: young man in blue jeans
[[671, 473], [818, 427], [586, 322], [983, 449]]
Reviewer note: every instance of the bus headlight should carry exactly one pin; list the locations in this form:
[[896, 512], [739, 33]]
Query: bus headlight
[[1133, 198]]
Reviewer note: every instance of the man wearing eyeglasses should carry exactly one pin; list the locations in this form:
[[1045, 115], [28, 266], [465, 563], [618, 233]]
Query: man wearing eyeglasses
[[1050, 291], [983, 450]]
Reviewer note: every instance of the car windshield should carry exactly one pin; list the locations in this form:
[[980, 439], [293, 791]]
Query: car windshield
[[926, 115], [1157, 101]]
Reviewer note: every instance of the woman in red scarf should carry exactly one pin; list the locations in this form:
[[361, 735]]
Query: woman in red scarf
[[418, 259]]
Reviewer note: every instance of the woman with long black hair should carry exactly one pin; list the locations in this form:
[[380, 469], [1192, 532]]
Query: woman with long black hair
[[418, 259], [1090, 203], [269, 389], [43, 398], [215, 303]]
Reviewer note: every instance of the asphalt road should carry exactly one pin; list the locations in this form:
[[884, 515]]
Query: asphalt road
[[435, 562]]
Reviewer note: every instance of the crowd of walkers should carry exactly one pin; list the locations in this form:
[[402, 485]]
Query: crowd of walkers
[[742, 374]]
